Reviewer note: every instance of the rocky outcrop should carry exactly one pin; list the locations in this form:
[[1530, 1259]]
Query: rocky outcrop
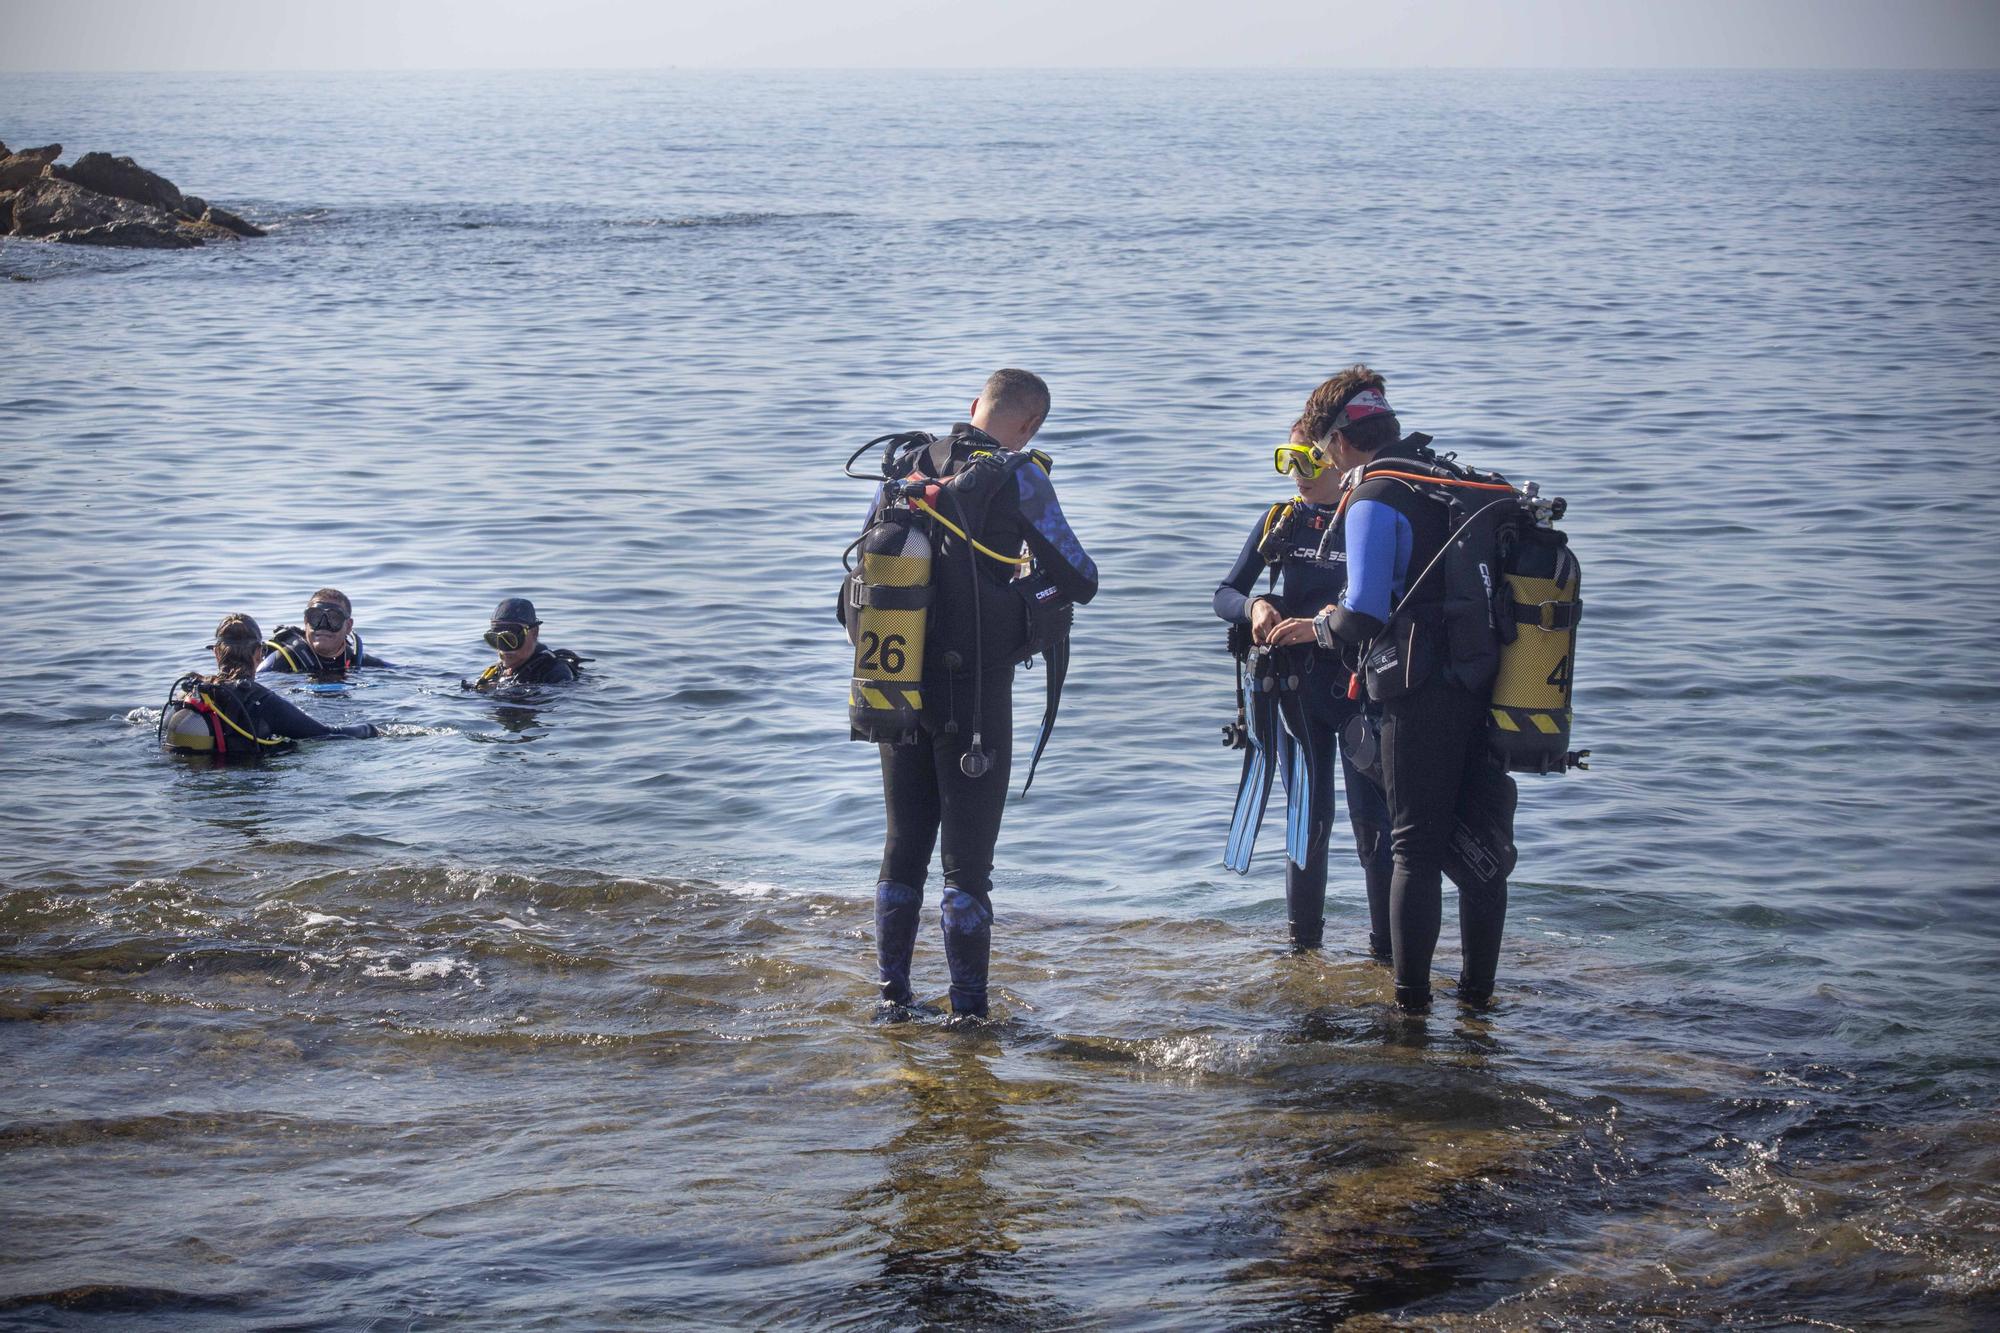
[[17, 169], [104, 200], [48, 205], [131, 235], [122, 178], [228, 221]]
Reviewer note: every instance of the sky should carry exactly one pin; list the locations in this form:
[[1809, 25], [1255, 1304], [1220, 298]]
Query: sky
[[111, 35]]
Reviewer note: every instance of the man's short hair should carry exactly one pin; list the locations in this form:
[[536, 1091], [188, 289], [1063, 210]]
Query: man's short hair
[[1016, 393], [333, 595]]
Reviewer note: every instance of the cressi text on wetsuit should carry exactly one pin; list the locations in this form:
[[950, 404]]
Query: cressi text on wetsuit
[[1312, 573], [976, 632], [1434, 754]]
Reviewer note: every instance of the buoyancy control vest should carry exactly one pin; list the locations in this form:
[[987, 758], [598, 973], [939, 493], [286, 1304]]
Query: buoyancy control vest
[[294, 647], [939, 587], [533, 671], [209, 717], [1492, 600]]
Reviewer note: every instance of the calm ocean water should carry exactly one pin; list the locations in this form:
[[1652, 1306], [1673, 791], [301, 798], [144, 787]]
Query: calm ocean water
[[558, 1016]]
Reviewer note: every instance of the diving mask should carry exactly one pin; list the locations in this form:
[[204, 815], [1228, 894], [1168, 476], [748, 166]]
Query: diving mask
[[507, 638], [1304, 459], [325, 617]]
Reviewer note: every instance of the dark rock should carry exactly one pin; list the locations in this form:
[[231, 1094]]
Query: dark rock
[[222, 217], [17, 169], [6, 211], [134, 235], [203, 231], [123, 178], [48, 206]]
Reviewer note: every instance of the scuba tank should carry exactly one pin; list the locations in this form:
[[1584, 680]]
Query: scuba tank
[[888, 600], [206, 717], [1506, 619], [885, 604], [1536, 611]]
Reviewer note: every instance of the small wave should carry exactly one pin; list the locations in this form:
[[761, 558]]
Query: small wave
[[747, 219], [437, 967], [415, 729]]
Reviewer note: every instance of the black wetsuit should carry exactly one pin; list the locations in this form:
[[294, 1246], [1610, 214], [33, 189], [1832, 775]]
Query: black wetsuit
[[544, 666], [968, 675], [292, 650], [1312, 573], [270, 716], [1435, 759]]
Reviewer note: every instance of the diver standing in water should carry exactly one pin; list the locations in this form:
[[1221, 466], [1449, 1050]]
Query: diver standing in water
[[937, 638], [1424, 645], [1302, 689], [231, 716]]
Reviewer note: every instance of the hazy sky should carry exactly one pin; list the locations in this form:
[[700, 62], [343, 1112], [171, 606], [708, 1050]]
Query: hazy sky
[[508, 34]]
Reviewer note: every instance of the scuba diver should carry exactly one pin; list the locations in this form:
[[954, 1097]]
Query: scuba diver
[[1458, 616], [515, 634], [936, 643], [1298, 702], [327, 644], [231, 716]]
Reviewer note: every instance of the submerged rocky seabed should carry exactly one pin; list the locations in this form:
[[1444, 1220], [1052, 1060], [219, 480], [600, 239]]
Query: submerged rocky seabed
[[104, 200], [506, 1099]]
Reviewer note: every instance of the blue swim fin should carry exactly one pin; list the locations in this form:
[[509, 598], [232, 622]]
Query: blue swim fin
[[1253, 793], [1298, 800]]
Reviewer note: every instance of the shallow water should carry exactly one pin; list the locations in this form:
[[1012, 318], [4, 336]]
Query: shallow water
[[557, 1014]]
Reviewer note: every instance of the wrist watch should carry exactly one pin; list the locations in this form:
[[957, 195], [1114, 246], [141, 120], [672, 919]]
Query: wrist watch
[[1323, 630]]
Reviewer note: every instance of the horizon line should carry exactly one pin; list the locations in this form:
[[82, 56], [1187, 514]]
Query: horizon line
[[1029, 69]]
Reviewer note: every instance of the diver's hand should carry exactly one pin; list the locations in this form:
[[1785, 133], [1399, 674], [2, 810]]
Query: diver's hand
[[1288, 632], [1264, 617]]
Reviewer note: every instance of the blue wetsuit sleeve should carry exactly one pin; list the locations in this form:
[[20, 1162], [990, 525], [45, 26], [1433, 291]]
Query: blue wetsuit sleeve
[[1232, 595], [1057, 551], [1378, 557]]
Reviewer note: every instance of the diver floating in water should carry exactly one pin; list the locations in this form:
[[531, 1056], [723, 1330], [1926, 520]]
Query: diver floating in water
[[1292, 702], [941, 606], [515, 634], [325, 645], [1458, 617], [228, 714]]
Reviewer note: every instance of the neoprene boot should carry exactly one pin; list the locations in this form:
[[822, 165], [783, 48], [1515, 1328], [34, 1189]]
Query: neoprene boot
[[896, 910], [1413, 999], [968, 943]]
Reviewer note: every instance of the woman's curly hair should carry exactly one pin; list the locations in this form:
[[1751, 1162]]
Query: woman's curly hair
[[1326, 401]]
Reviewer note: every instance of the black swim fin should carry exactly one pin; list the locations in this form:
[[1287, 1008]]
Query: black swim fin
[[1055, 664]]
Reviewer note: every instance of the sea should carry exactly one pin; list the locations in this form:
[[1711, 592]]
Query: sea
[[558, 1012]]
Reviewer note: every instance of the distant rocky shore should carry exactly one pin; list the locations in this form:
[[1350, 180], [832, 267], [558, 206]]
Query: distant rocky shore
[[104, 200]]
